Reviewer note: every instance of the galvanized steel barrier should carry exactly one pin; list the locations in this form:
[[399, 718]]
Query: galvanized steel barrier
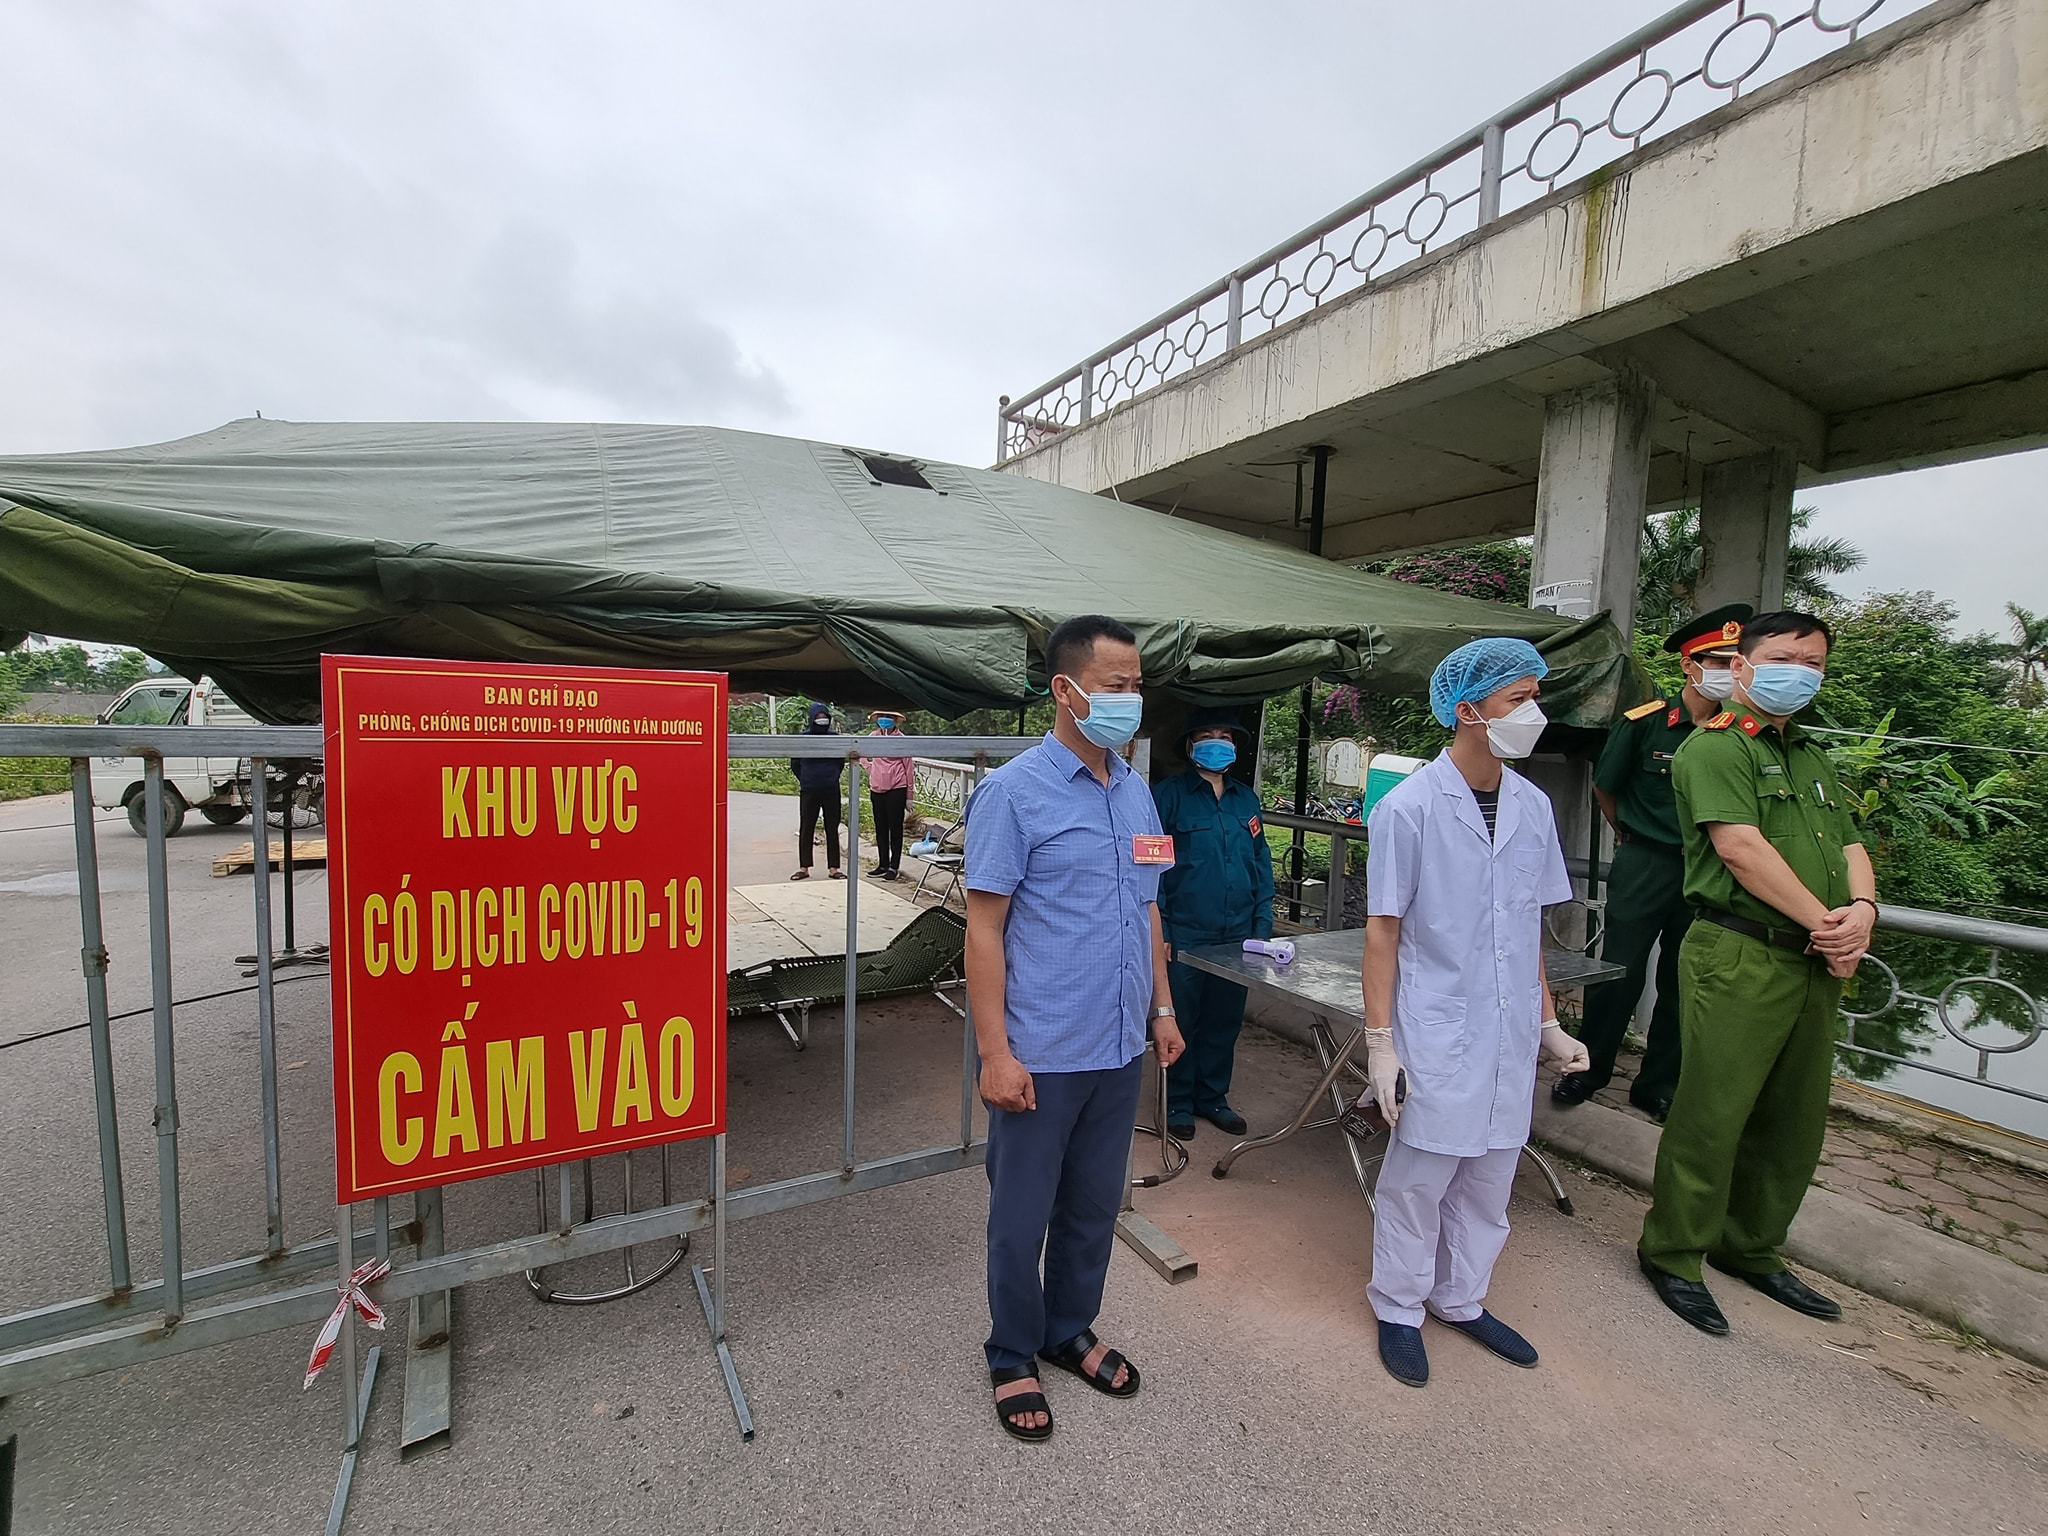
[[181, 1309], [1685, 64]]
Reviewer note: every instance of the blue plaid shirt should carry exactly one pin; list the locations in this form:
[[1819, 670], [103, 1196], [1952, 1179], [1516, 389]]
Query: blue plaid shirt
[[1077, 950]]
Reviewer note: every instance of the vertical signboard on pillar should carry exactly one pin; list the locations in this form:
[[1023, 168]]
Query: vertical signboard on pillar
[[526, 886]]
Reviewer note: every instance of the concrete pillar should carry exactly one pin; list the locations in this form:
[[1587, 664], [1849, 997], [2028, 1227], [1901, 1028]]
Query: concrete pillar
[[1745, 531], [1590, 490], [1591, 487]]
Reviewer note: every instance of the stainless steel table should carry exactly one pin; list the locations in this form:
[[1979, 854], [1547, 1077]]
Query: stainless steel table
[[1323, 980]]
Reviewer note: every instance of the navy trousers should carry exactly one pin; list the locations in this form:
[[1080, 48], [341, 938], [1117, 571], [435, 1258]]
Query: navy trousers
[[1055, 1184], [1210, 1012]]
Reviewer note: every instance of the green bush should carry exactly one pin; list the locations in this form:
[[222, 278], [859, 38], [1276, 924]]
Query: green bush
[[24, 777]]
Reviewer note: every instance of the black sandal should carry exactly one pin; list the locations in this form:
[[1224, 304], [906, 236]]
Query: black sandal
[[1021, 1402], [1073, 1356]]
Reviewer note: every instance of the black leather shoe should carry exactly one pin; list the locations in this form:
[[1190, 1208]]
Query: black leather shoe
[[1657, 1109], [1181, 1129], [1786, 1288], [1574, 1088], [1225, 1119], [1688, 1298]]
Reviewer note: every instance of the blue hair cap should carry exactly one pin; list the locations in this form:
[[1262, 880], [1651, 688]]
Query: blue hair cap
[[1479, 668]]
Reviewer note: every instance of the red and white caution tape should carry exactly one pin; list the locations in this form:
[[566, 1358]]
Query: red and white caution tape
[[352, 1295]]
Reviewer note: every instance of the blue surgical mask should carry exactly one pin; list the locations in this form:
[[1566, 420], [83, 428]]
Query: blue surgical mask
[[1214, 754], [1782, 687], [885, 722], [1112, 718]]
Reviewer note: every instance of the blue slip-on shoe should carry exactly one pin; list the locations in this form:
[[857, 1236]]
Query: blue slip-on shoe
[[1401, 1352], [1498, 1337]]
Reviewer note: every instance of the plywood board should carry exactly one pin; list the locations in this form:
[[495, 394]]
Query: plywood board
[[815, 911], [748, 944]]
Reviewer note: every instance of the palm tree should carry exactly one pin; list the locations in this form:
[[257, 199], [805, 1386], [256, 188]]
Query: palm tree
[[2029, 650], [1671, 556], [1809, 561], [2029, 654]]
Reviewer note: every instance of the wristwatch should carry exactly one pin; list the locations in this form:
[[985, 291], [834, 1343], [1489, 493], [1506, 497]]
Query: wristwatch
[[1164, 1013]]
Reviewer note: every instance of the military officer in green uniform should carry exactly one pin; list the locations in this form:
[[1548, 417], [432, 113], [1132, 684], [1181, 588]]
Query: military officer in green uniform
[[1219, 891], [1785, 901], [1646, 905]]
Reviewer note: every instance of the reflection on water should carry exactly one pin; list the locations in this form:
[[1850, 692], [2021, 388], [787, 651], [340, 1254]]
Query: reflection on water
[[1996, 1017]]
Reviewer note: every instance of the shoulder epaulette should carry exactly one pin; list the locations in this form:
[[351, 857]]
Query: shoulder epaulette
[[1643, 709], [1720, 722]]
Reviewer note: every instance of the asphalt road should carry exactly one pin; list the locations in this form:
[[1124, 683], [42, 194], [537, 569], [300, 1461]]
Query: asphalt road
[[856, 1323]]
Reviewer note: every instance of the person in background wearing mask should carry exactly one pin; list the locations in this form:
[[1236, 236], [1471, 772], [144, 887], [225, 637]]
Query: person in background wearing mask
[[1462, 858], [1066, 962], [817, 783], [889, 796], [1219, 891], [1646, 905], [1786, 901]]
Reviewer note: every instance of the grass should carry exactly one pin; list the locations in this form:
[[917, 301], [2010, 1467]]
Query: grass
[[772, 776], [21, 778], [1962, 1336], [760, 776]]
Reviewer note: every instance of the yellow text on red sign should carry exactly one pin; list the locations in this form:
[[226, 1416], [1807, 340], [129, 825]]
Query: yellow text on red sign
[[526, 891]]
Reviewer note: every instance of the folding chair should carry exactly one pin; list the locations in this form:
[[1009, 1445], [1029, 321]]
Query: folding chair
[[950, 863]]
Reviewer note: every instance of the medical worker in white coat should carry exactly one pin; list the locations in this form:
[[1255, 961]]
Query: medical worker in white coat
[[1463, 858]]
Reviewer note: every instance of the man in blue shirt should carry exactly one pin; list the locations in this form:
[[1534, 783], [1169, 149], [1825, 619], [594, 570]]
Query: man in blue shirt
[[1065, 961], [1219, 891]]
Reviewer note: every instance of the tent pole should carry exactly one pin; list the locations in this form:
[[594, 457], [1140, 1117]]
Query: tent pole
[[1298, 853]]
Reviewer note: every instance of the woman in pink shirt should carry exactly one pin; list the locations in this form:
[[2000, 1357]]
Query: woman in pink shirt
[[889, 793]]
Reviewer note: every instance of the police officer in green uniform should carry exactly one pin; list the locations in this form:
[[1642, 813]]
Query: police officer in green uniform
[[1219, 891], [1646, 901], [1785, 901]]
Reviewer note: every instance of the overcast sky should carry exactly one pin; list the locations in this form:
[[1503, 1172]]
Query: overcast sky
[[860, 223]]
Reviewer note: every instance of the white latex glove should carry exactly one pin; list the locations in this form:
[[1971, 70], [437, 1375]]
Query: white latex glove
[[1562, 1051], [1382, 1068]]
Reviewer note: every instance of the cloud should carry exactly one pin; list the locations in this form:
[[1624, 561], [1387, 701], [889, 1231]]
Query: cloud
[[859, 223], [644, 354]]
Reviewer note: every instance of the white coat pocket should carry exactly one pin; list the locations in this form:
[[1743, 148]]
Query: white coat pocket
[[1431, 1033]]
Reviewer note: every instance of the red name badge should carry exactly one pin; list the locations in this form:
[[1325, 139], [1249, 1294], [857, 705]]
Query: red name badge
[[1149, 849]]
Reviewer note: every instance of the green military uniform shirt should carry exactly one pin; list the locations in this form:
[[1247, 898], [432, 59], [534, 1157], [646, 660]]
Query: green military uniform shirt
[[1738, 768], [1635, 768]]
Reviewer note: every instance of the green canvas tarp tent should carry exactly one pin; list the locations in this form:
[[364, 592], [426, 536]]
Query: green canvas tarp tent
[[795, 566]]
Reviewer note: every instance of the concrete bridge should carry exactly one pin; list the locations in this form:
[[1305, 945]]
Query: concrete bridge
[[1806, 251]]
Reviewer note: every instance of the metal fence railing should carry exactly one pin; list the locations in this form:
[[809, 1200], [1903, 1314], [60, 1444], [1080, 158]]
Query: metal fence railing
[[1693, 59], [175, 1306], [1914, 996]]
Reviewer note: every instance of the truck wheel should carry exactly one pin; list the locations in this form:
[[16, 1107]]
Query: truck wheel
[[224, 815], [174, 812]]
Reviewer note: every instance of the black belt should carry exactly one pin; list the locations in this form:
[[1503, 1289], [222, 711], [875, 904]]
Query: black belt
[[1793, 939]]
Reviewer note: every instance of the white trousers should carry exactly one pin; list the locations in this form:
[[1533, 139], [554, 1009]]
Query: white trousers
[[1439, 1224]]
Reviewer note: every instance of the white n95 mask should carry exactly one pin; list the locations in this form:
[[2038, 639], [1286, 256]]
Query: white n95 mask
[[1514, 734]]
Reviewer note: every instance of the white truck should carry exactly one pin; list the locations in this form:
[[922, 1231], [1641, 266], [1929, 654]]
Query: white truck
[[218, 787]]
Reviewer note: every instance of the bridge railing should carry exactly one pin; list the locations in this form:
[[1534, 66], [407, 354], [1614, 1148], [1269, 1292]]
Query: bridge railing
[[1693, 59], [1952, 996]]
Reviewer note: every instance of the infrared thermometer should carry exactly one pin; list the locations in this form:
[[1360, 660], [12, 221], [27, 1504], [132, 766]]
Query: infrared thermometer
[[1280, 949]]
